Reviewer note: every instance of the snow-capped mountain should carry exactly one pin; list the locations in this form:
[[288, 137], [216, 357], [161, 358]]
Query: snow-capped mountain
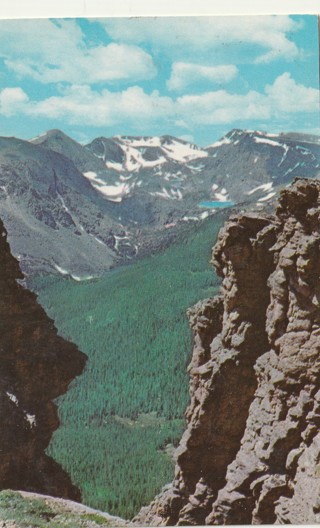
[[79, 209], [228, 169], [129, 153]]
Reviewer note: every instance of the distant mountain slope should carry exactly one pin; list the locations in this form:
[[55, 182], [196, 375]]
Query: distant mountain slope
[[132, 153], [82, 209], [250, 158], [53, 214], [59, 142], [230, 169]]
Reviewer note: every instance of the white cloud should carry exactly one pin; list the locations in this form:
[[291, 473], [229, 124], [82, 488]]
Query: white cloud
[[134, 108], [184, 74], [282, 98], [12, 100], [182, 35], [285, 95], [81, 104], [51, 51], [221, 107]]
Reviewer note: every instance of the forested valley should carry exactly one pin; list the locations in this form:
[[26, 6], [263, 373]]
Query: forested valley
[[121, 420]]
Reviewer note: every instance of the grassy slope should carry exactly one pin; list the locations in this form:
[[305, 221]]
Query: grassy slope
[[132, 325], [36, 511]]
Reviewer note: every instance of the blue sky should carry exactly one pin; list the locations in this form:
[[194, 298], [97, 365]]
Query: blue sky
[[192, 77]]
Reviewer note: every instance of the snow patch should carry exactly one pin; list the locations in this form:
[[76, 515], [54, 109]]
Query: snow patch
[[38, 137], [223, 141], [204, 215], [113, 165], [119, 239], [178, 176], [286, 150], [81, 279], [221, 196], [113, 193], [125, 178], [151, 141], [268, 142], [263, 187], [190, 218], [135, 161], [265, 198], [292, 169], [303, 151], [197, 168], [13, 398], [63, 203], [99, 241], [4, 189], [61, 270], [172, 194], [31, 419], [183, 152], [90, 175]]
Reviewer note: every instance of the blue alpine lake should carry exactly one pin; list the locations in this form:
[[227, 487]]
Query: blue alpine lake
[[214, 205]]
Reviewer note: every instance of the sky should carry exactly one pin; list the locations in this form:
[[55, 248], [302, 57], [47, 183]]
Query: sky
[[191, 77]]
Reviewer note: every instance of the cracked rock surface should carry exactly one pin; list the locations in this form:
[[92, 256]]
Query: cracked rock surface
[[36, 366], [251, 450]]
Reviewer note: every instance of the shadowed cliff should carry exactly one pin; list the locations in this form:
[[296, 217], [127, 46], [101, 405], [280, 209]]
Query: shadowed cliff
[[251, 450], [36, 366]]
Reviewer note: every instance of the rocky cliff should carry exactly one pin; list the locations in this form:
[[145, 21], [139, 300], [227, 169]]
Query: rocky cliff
[[36, 366], [251, 450]]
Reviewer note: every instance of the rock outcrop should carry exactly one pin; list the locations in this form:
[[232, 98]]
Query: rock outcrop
[[36, 366], [251, 450]]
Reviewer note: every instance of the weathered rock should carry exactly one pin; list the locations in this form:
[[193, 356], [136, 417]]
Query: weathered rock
[[251, 450], [36, 367]]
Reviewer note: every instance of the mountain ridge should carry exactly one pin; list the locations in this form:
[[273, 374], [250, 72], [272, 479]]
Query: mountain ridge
[[124, 197]]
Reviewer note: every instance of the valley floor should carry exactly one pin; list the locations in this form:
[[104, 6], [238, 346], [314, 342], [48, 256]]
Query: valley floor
[[121, 420]]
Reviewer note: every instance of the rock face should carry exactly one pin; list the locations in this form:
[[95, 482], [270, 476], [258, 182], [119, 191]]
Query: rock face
[[251, 450], [36, 366]]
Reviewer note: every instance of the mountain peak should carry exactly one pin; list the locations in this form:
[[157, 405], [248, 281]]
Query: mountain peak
[[52, 134]]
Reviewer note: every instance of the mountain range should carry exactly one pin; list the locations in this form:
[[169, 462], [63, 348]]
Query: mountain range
[[82, 209]]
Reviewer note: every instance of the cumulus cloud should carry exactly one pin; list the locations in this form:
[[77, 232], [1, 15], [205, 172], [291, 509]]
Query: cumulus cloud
[[79, 104], [221, 107], [12, 100], [285, 95], [184, 74], [56, 51], [182, 35]]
